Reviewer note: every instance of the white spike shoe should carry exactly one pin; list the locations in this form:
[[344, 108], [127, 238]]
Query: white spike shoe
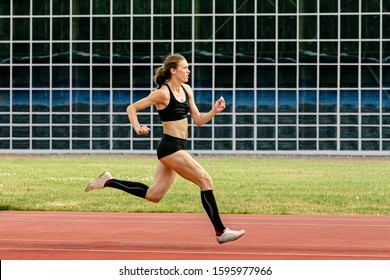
[[229, 235], [98, 183]]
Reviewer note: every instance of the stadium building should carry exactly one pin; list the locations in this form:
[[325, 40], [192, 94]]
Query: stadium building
[[299, 76]]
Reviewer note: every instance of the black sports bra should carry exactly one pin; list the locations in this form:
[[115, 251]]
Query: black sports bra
[[175, 110]]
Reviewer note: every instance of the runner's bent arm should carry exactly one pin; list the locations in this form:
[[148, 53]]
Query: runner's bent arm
[[201, 119], [153, 98]]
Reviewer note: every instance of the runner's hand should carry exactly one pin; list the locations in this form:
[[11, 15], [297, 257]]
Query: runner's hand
[[143, 130], [220, 104]]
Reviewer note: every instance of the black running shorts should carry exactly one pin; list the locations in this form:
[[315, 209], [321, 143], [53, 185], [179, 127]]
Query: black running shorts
[[169, 145]]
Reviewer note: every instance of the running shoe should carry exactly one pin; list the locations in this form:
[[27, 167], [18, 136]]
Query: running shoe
[[98, 183], [229, 235]]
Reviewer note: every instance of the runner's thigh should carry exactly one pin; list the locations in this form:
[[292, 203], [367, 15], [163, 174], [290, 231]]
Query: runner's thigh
[[188, 168], [162, 181]]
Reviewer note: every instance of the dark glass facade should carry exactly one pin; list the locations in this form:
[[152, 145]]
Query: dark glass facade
[[298, 76]]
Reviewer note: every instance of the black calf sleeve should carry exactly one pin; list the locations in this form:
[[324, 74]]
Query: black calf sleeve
[[134, 188], [210, 205]]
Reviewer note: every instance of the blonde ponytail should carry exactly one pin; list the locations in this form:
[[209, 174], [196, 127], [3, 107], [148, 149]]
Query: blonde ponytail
[[163, 73], [161, 76]]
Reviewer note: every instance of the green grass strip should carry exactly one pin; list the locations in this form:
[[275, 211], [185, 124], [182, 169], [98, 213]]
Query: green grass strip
[[253, 185]]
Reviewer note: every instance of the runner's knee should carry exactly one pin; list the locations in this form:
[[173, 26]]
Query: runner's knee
[[155, 198], [205, 182]]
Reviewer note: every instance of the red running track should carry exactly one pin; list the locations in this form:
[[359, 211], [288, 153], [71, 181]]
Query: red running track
[[157, 236]]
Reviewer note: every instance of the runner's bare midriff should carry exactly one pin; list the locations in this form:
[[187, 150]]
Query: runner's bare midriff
[[177, 129]]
